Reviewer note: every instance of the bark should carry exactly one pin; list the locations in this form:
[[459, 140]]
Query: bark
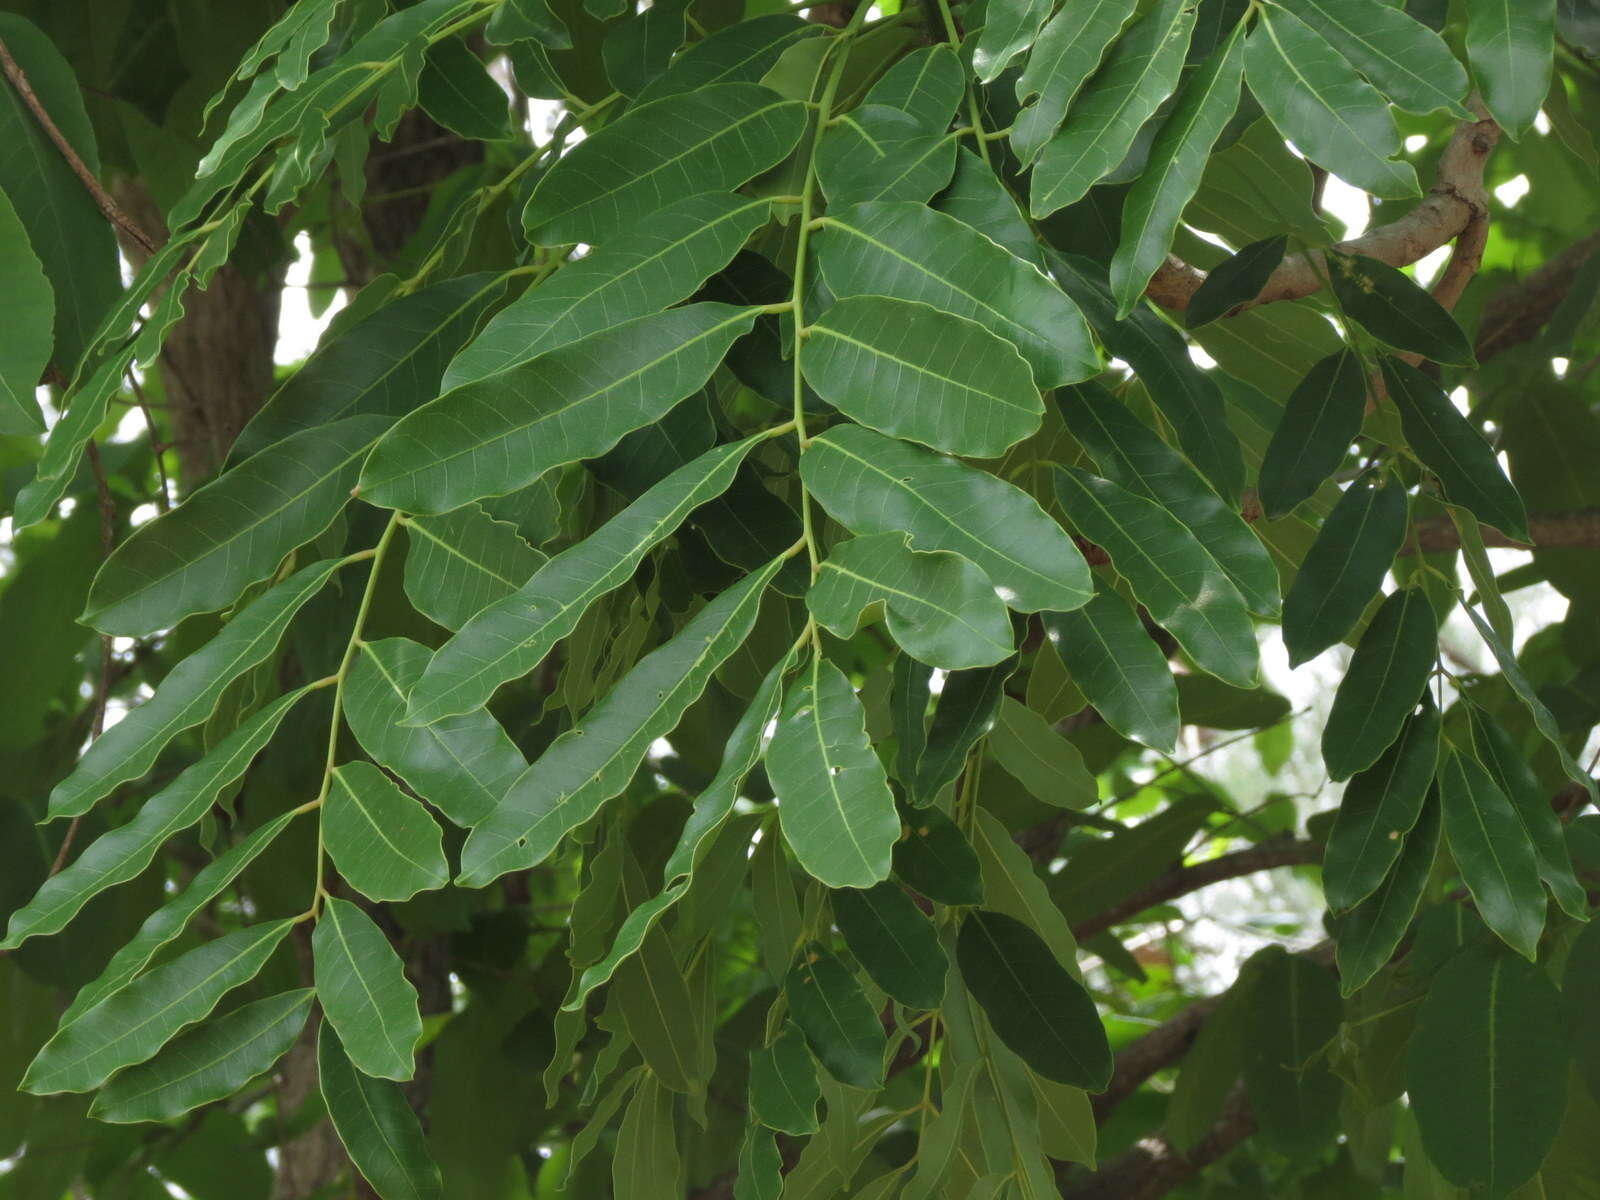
[[1516, 314]]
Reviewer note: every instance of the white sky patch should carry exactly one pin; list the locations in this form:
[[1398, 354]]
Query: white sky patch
[[1512, 190], [1430, 264], [1559, 365], [1346, 204], [298, 330], [1201, 359], [1416, 142]]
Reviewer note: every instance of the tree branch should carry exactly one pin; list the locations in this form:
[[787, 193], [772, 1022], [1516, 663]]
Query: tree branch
[[1516, 314], [112, 210], [1575, 529], [1456, 201], [1153, 1166]]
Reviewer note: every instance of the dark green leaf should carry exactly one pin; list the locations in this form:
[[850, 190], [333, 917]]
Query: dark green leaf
[[893, 942], [459, 563], [1386, 678], [1368, 935], [385, 844], [1322, 417], [1235, 281], [783, 1084], [456, 91], [1064, 57], [928, 84], [1119, 668], [27, 308], [1294, 1094], [1510, 44], [882, 153], [741, 53], [832, 1011], [1394, 308], [1492, 851], [376, 1125], [1407, 61], [1040, 759], [966, 712], [934, 856]]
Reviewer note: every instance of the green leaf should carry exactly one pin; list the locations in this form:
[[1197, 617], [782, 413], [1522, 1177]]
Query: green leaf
[[130, 1025], [494, 435], [840, 1025], [1107, 870], [894, 943], [1345, 566], [1393, 307], [966, 712], [652, 996], [120, 855], [462, 765], [1235, 280], [881, 153], [710, 139], [1317, 101], [1180, 584], [1040, 759], [232, 532], [1321, 419], [1257, 190], [1493, 852], [459, 563], [211, 1062], [511, 637], [910, 252], [760, 1166], [1178, 156], [783, 1084], [1119, 668], [1406, 60], [1386, 678], [928, 84], [364, 993], [1187, 396], [1293, 1092], [873, 484], [1141, 70], [1453, 450], [1491, 1040], [384, 843], [167, 922], [741, 53], [1377, 811], [594, 761], [1012, 885], [941, 609], [376, 1125], [1129, 453], [188, 695], [385, 365], [1368, 935], [1009, 28], [1510, 44], [646, 1162], [1036, 1008], [1213, 1064], [934, 857], [27, 308], [977, 198], [711, 810], [838, 815], [914, 371], [908, 702], [1063, 59], [639, 272], [639, 50]]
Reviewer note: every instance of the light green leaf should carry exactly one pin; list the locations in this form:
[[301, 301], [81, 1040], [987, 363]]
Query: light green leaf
[[1368, 935], [1385, 679], [1009, 28], [387, 364], [916, 372], [1235, 280], [1064, 57], [1395, 308], [910, 252], [364, 992], [130, 1025], [741, 53], [1491, 1038], [928, 84], [1406, 60], [894, 943], [1317, 101], [459, 563], [385, 844], [170, 920], [1453, 450], [646, 1162], [639, 272], [882, 153], [1178, 157], [1492, 851], [500, 433], [936, 859], [1119, 668], [783, 1084], [376, 1125], [1345, 566], [1377, 811], [838, 815], [874, 484], [710, 139], [511, 637], [1129, 453], [27, 310], [594, 761], [462, 765], [1012, 885], [119, 855], [232, 532], [1141, 70], [760, 1166], [839, 1023], [941, 609], [1321, 419], [976, 197], [1036, 1008], [211, 1062], [1170, 572], [188, 695], [1039, 758], [1257, 189], [1510, 44]]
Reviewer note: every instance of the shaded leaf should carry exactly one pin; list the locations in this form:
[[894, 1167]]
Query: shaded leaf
[[1510, 44], [894, 943], [881, 153], [1396, 309], [459, 563], [1235, 280], [1408, 62], [1368, 935], [1039, 758], [831, 1010], [1386, 678], [1064, 57], [1321, 419], [376, 1126], [783, 1084], [935, 858], [1492, 851]]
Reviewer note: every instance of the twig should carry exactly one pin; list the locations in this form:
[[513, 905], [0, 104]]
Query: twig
[[164, 496], [112, 210], [1576, 529]]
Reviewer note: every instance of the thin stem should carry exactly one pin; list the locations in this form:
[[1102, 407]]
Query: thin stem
[[974, 111]]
